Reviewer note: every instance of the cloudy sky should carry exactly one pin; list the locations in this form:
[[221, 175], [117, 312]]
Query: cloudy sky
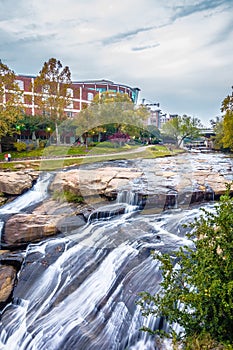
[[178, 52]]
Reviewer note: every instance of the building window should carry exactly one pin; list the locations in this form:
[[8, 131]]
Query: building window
[[21, 97], [101, 89], [20, 84], [133, 96], [70, 92], [69, 114], [70, 104], [90, 96], [45, 89]]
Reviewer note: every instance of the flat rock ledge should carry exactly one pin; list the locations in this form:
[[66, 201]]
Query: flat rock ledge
[[101, 182], [162, 190]]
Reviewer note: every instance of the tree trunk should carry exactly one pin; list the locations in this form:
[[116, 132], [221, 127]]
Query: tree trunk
[[180, 141], [57, 134]]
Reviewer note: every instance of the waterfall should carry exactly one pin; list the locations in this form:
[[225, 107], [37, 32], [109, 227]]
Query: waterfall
[[1, 227], [127, 196], [127, 201], [33, 196], [79, 292]]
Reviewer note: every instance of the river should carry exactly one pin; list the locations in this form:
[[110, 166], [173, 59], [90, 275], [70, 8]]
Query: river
[[78, 291]]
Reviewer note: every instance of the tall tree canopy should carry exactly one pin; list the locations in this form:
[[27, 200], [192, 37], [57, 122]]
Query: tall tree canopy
[[10, 101], [182, 127], [53, 87], [111, 110]]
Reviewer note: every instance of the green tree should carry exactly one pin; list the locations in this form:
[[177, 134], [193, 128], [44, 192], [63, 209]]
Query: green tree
[[53, 95], [197, 286], [110, 111], [227, 108], [217, 125], [154, 132], [34, 123], [10, 101], [182, 127]]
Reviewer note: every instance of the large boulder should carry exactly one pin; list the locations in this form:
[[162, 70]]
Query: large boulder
[[15, 183], [21, 229], [94, 182], [7, 280]]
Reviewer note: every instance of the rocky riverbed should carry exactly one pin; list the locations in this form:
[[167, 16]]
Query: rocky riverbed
[[154, 186]]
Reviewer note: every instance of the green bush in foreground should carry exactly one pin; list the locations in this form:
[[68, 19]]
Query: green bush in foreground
[[197, 286]]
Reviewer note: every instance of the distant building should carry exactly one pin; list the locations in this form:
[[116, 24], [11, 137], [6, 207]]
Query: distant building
[[157, 118], [82, 93], [154, 117]]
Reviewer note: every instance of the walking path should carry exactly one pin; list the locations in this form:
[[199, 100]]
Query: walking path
[[89, 155]]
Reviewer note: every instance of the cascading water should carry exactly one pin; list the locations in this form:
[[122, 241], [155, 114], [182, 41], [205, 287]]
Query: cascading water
[[32, 197], [131, 198], [126, 202], [35, 195], [79, 291]]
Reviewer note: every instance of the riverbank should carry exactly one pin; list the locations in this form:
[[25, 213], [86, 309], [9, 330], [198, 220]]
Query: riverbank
[[53, 158], [153, 185]]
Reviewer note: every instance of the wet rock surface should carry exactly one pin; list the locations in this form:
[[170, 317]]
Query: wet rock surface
[[160, 183], [21, 229], [14, 258], [15, 183], [7, 280], [89, 183]]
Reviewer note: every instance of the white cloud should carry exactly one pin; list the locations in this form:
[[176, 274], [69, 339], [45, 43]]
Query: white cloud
[[176, 53]]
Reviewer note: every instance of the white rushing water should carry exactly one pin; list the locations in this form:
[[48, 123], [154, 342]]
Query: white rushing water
[[33, 196], [79, 292], [85, 298]]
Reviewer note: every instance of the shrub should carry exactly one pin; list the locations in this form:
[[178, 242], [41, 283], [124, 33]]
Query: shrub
[[73, 198], [68, 196], [20, 146], [42, 143], [30, 146], [197, 291]]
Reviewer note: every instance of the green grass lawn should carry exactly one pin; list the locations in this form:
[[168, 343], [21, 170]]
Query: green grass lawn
[[84, 156], [47, 151], [63, 151]]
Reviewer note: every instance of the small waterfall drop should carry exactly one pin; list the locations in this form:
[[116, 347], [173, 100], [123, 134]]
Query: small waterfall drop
[[33, 196], [130, 198], [125, 203]]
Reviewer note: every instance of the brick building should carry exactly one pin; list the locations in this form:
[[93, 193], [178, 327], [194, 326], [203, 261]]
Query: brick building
[[81, 92]]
